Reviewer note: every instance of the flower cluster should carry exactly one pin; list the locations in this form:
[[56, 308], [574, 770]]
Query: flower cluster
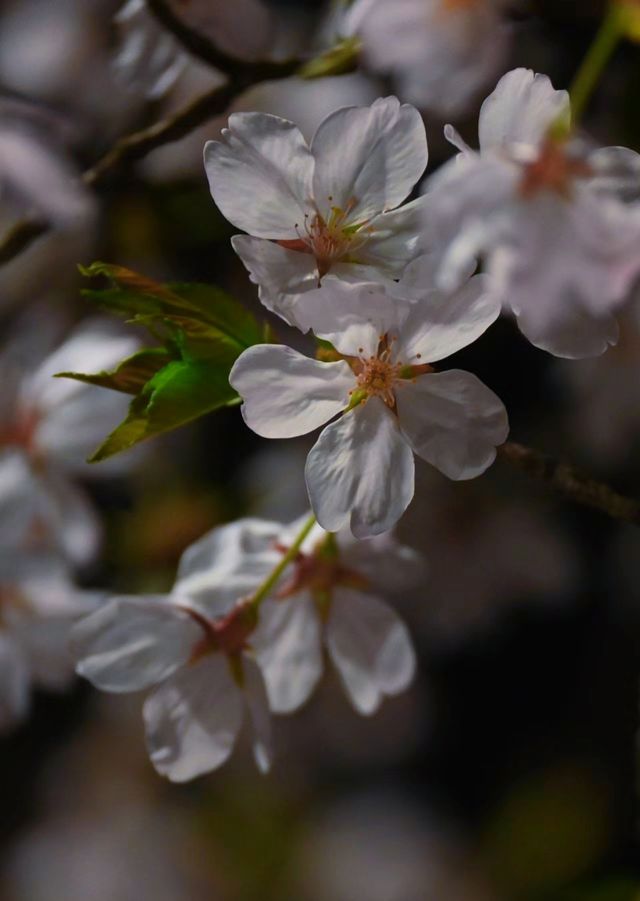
[[389, 289]]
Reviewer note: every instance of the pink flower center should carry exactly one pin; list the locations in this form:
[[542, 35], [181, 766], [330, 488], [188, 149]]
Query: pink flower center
[[329, 241], [554, 170], [20, 431], [379, 374], [228, 634]]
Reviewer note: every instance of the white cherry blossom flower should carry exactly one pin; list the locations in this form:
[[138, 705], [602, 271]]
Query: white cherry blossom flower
[[548, 217], [55, 423], [333, 206], [330, 600], [393, 404], [441, 52], [193, 647]]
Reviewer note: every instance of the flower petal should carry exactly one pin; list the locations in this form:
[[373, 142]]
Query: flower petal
[[131, 643], [368, 159], [288, 648], [573, 333], [255, 694], [70, 517], [395, 238], [287, 394], [353, 317], [442, 324], [360, 472], [281, 274], [521, 109], [453, 421], [227, 564], [370, 647], [193, 719], [260, 174]]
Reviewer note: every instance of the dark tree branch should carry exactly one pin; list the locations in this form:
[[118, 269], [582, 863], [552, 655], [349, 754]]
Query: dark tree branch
[[571, 483], [20, 237], [198, 45]]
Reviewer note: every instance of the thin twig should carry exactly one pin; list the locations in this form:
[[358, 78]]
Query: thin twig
[[199, 46], [19, 237], [571, 483]]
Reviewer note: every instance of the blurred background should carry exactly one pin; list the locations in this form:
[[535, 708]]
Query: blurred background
[[509, 770]]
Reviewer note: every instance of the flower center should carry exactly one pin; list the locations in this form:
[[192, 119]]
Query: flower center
[[228, 634], [20, 431], [328, 240], [377, 377], [554, 170]]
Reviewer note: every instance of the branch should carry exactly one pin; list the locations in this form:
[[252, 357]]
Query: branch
[[20, 237], [198, 45], [571, 483]]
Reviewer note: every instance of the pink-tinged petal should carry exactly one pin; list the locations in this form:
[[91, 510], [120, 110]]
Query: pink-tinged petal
[[287, 394], [353, 317], [69, 517], [368, 159], [14, 684], [280, 273], [573, 332], [255, 695], [131, 643], [260, 175], [521, 110], [193, 719], [287, 645], [442, 324], [453, 421], [227, 565], [395, 238], [360, 472], [370, 647]]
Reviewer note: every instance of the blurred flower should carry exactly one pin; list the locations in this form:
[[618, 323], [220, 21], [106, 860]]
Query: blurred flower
[[330, 207], [560, 245], [193, 645], [54, 424], [360, 472], [330, 599], [441, 52]]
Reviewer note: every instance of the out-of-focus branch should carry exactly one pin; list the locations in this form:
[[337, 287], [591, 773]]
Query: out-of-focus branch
[[571, 483], [19, 237], [198, 45]]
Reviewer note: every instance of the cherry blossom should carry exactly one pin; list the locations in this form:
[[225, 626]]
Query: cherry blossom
[[193, 647], [329, 599], [548, 216], [333, 206], [360, 472], [56, 423], [441, 52]]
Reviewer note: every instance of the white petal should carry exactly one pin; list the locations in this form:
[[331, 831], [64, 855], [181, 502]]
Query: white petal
[[132, 643], [388, 567], [360, 472], [453, 421], [70, 517], [368, 159], [574, 333], [280, 273], [260, 175], [288, 648], [14, 684], [521, 109], [353, 317], [370, 647], [255, 694], [395, 238], [227, 564], [287, 394], [193, 719], [443, 324]]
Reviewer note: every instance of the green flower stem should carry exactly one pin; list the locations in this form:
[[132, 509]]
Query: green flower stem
[[610, 33], [272, 579]]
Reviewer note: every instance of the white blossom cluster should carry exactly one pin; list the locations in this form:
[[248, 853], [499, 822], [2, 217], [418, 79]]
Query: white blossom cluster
[[385, 273], [390, 287]]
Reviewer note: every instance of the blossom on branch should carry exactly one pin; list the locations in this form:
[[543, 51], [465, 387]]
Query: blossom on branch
[[360, 473], [549, 217], [334, 206], [441, 52]]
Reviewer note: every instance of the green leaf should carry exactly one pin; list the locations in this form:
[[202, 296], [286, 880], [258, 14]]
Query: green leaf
[[202, 331], [129, 376], [337, 60], [181, 392]]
